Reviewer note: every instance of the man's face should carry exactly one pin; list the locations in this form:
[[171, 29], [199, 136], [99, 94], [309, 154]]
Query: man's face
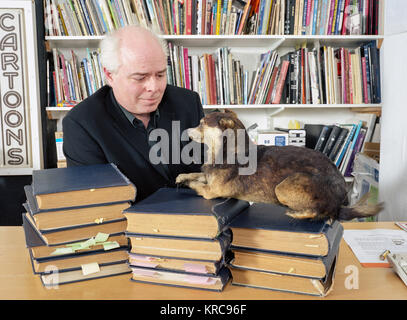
[[140, 81]]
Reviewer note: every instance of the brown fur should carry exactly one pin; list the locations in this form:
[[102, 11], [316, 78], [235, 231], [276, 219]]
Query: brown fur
[[302, 179]]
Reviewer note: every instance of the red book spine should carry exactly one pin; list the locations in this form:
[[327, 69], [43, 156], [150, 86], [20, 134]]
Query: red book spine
[[271, 86], [188, 18], [186, 69], [343, 78], [345, 17], [281, 81], [57, 97], [350, 79]]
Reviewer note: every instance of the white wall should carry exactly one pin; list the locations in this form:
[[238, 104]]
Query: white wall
[[393, 158]]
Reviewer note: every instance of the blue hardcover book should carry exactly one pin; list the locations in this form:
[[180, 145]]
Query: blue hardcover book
[[182, 279], [315, 267], [181, 247], [284, 282], [64, 277], [181, 212], [62, 236], [338, 17], [314, 19], [267, 227], [75, 261], [78, 186], [76, 215], [179, 264], [345, 146]]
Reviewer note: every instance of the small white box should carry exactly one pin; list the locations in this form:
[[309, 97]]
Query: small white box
[[272, 138]]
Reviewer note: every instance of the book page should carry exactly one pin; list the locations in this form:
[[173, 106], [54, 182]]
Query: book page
[[368, 245]]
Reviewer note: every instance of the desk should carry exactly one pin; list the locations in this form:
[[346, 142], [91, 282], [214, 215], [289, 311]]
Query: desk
[[17, 280]]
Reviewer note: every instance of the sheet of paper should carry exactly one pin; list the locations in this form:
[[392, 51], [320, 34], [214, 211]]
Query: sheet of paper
[[368, 245]]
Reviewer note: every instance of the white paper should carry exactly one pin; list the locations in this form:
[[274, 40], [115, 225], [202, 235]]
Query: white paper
[[368, 245]]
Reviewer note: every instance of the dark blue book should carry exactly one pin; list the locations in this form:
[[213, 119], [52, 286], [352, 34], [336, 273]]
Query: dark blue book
[[323, 138], [74, 262], [181, 247], [57, 278], [315, 267], [181, 279], [64, 217], [80, 186], [285, 282], [201, 267], [181, 212], [267, 227], [61, 236]]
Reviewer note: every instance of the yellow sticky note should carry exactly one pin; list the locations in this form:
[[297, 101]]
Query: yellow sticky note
[[86, 244], [90, 268], [101, 237], [110, 245], [62, 251]]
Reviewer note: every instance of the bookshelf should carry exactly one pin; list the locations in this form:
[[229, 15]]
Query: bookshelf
[[247, 49]]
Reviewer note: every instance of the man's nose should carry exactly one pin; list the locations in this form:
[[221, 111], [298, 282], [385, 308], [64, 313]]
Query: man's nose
[[152, 84]]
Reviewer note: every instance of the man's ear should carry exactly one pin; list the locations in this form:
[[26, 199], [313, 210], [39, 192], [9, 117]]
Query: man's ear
[[108, 75]]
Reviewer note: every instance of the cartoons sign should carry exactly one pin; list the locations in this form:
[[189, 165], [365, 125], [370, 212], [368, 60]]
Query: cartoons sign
[[15, 149]]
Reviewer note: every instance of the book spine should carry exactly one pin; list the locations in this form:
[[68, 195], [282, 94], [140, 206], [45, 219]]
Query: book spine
[[281, 81], [356, 148]]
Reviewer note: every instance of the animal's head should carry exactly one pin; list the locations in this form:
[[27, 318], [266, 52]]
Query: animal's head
[[220, 131], [214, 124]]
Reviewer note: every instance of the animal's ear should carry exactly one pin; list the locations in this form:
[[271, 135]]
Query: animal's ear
[[227, 123], [230, 112]]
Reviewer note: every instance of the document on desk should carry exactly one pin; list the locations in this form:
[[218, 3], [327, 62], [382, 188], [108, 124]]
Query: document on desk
[[368, 245]]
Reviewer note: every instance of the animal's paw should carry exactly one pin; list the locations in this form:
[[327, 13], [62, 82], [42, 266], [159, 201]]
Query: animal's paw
[[304, 214], [182, 178]]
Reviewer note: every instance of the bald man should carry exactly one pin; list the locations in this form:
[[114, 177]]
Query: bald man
[[114, 124]]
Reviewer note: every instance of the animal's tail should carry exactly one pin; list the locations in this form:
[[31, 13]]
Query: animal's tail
[[360, 210]]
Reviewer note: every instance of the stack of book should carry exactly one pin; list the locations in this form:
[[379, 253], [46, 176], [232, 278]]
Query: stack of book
[[276, 252], [181, 239], [74, 224]]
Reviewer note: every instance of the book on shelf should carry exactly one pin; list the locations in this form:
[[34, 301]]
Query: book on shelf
[[284, 282], [267, 227], [182, 279], [340, 141], [179, 264], [59, 218], [181, 212], [330, 142], [181, 247], [323, 138], [296, 17], [79, 186], [96, 272]]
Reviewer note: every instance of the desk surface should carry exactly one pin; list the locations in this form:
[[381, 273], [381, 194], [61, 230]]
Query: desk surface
[[18, 281]]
